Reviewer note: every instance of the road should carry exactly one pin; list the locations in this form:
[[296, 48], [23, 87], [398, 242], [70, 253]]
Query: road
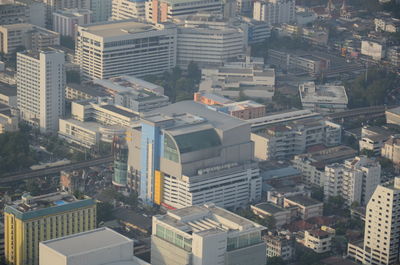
[[53, 170]]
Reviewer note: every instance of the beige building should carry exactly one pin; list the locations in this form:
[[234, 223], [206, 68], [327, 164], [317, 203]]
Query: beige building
[[8, 120], [391, 149], [280, 245], [26, 36], [306, 206], [126, 9], [281, 215], [11, 13], [320, 241], [393, 116], [381, 241]]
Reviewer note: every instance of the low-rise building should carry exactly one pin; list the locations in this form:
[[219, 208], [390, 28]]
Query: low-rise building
[[393, 116], [8, 119], [391, 149], [26, 36], [207, 235], [391, 25], [11, 13], [318, 240], [374, 137], [8, 95], [85, 91], [101, 246], [373, 49], [294, 138], [280, 244], [323, 98], [282, 216], [73, 181], [393, 55], [306, 206], [65, 21]]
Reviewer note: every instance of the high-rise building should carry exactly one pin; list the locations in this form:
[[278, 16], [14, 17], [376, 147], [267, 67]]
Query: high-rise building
[[382, 227], [275, 11], [127, 9], [355, 180], [53, 5], [11, 13], [33, 219], [125, 47], [186, 154], [206, 235], [40, 88], [120, 151], [65, 21], [166, 10], [101, 10]]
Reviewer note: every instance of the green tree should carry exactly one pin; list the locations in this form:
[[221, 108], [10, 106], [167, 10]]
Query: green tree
[[194, 72], [104, 212]]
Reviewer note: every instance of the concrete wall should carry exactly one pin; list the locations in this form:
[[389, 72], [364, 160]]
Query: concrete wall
[[165, 253], [254, 255]]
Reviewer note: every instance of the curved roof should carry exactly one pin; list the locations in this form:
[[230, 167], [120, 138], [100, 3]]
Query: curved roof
[[198, 140]]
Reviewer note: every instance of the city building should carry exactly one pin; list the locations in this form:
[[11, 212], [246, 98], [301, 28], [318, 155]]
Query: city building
[[8, 95], [9, 119], [206, 235], [101, 10], [36, 11], [15, 37], [275, 11], [373, 49], [323, 98], [304, 62], [257, 31], [306, 206], [2, 240], [33, 219], [320, 241], [381, 241], [312, 164], [280, 244], [53, 5], [65, 21], [125, 47], [84, 134], [244, 110], [73, 181], [208, 40], [11, 13], [282, 216], [128, 9], [40, 88], [166, 10], [393, 116], [393, 55], [134, 93], [391, 149], [85, 91], [355, 180], [250, 77], [391, 25], [186, 154], [101, 246], [293, 138], [374, 137], [120, 152]]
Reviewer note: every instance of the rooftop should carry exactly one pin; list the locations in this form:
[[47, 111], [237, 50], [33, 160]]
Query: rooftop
[[303, 200], [101, 238], [309, 92], [90, 89], [269, 207], [8, 90], [119, 110], [127, 83], [394, 110]]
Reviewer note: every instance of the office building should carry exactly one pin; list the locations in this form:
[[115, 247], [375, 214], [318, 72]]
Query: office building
[[312, 164], [120, 152], [53, 5], [40, 88], [128, 9], [101, 10], [165, 10], [257, 31], [11, 13], [125, 47], [206, 235], [391, 149], [208, 40], [280, 244], [355, 180], [186, 154], [323, 98], [36, 11], [134, 93], [249, 76], [26, 36], [275, 11], [381, 240], [34, 219], [293, 138], [102, 246], [65, 21], [393, 116]]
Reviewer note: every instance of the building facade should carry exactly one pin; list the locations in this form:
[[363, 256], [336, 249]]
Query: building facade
[[275, 11], [44, 217], [65, 21], [11, 13], [125, 47], [391, 149], [40, 88], [128, 9], [101, 10], [206, 235]]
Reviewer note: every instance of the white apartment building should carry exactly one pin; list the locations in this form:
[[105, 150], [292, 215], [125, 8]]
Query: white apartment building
[[166, 10], [101, 9], [208, 40], [382, 228], [15, 36], [294, 138], [125, 47], [65, 21], [318, 240], [206, 235], [355, 180], [40, 88], [128, 9], [323, 98], [281, 245], [275, 11]]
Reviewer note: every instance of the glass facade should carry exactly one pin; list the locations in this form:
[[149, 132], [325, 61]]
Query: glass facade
[[243, 240], [174, 238]]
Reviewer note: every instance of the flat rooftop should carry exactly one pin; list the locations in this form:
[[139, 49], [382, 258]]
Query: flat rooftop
[[119, 110], [101, 238], [303, 200], [118, 28], [90, 89], [323, 94], [269, 207], [394, 110]]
